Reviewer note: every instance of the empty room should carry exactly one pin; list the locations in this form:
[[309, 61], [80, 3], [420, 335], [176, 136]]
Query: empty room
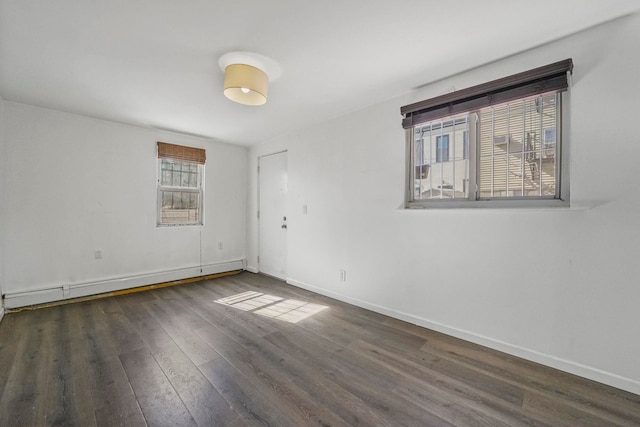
[[356, 213]]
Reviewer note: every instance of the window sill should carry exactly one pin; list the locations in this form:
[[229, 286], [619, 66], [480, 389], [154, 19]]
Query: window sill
[[501, 205], [178, 225]]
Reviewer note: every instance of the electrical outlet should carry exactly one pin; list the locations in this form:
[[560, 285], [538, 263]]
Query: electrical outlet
[[220, 246], [97, 254], [343, 275]]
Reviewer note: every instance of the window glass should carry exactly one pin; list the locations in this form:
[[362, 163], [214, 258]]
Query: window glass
[[180, 192], [436, 176], [515, 153], [442, 148], [516, 159]]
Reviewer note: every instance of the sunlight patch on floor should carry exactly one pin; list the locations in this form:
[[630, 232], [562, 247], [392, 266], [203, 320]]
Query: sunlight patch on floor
[[272, 306]]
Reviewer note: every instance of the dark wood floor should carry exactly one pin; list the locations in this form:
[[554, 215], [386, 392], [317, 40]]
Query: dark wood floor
[[251, 350]]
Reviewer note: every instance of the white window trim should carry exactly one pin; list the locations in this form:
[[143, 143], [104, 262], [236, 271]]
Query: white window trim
[[160, 188]]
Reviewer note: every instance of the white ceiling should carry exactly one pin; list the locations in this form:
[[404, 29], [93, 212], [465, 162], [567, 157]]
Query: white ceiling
[[154, 63]]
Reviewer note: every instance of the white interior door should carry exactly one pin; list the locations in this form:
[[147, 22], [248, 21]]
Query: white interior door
[[272, 213]]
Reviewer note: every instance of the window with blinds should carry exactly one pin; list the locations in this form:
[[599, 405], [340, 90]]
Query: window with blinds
[[492, 144], [517, 153], [180, 184]]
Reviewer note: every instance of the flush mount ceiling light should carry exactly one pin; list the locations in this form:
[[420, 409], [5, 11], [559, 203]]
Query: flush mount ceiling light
[[246, 84], [247, 76]]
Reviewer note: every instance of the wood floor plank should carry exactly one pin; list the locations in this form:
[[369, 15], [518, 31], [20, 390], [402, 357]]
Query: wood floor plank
[[148, 328], [126, 413], [371, 332], [453, 412], [561, 414], [24, 399], [204, 402], [239, 422], [63, 407], [337, 333], [180, 310], [198, 351], [209, 295], [267, 375], [114, 400], [158, 400], [254, 408], [356, 375], [359, 402], [10, 345], [598, 399], [433, 369], [116, 328]]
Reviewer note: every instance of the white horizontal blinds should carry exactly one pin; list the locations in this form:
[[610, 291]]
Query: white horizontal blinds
[[180, 184], [518, 148], [441, 164]]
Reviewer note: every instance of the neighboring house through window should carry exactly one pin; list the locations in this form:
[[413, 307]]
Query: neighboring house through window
[[442, 148], [491, 144], [180, 184]]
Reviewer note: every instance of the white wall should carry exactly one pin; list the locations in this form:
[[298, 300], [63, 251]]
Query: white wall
[[73, 185], [2, 205], [556, 286]]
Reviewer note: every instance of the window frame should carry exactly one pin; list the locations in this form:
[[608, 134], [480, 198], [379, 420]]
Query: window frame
[[561, 197], [200, 189]]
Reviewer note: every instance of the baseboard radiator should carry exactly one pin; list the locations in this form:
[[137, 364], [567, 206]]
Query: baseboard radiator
[[17, 299]]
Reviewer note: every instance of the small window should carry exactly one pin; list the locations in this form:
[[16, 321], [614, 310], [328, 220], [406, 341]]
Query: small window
[[491, 144], [180, 184]]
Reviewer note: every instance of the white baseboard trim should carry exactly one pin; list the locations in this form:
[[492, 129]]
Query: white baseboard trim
[[569, 366], [76, 290], [1, 313], [252, 269]]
